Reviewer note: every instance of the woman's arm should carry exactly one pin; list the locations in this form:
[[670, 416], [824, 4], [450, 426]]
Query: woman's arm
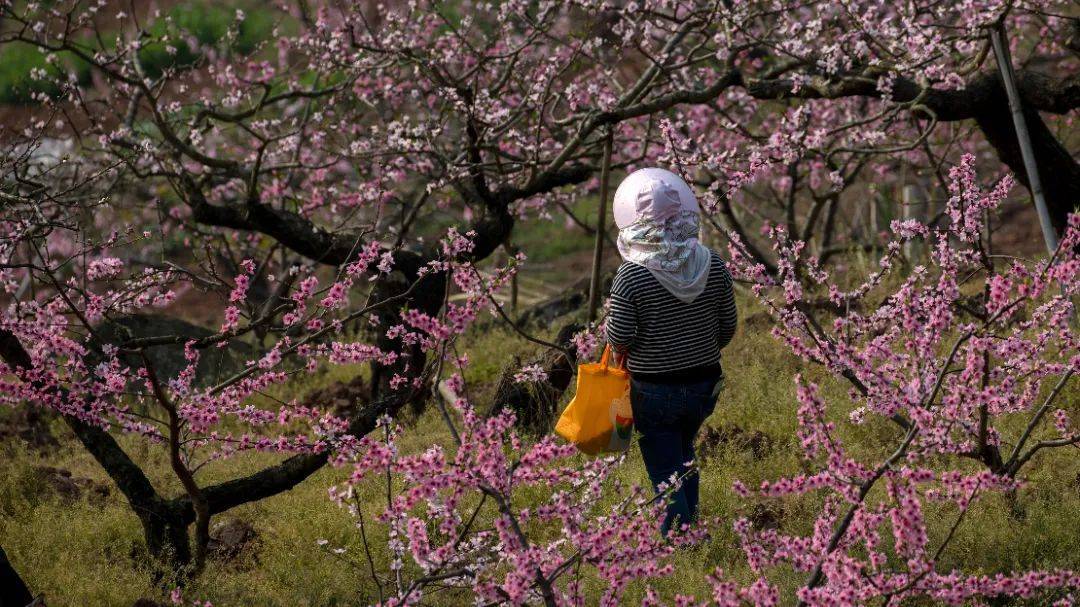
[[728, 314], [621, 325]]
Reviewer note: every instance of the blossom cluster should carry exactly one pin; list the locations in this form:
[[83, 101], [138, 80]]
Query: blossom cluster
[[946, 372], [456, 515]]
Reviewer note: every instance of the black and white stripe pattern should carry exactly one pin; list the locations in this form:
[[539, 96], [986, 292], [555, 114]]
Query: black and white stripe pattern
[[663, 334]]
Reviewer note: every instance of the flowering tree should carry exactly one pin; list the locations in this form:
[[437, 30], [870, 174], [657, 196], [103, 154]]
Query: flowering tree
[[953, 355], [956, 353], [302, 187], [497, 550]]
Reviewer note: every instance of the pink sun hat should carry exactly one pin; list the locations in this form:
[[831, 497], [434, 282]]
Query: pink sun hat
[[653, 193]]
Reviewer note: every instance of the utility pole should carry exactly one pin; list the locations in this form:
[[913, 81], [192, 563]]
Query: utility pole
[[909, 199], [601, 229], [511, 252], [1008, 78]]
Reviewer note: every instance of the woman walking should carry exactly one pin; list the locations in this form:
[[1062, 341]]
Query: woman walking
[[672, 309]]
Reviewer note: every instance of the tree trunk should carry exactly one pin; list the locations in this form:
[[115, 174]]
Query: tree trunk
[[535, 405], [13, 591], [165, 531], [1059, 171], [984, 100], [427, 297], [163, 526]]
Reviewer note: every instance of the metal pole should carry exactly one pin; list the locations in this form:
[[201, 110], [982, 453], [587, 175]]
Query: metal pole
[[601, 229], [909, 197], [1004, 61], [511, 251]]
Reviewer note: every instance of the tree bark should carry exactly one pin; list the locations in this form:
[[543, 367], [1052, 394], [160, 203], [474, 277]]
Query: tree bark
[[1059, 170], [13, 590], [536, 405]]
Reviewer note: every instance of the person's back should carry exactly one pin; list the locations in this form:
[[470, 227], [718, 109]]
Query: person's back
[[669, 340], [671, 311]]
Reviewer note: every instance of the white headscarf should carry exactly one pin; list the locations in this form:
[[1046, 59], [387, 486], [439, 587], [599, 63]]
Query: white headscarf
[[658, 219]]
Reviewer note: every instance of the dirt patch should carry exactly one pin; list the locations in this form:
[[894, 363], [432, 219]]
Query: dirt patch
[[30, 426], [233, 540], [758, 320], [340, 398], [764, 517], [713, 438], [71, 488]]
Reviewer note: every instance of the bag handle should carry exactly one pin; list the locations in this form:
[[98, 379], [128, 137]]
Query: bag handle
[[605, 359]]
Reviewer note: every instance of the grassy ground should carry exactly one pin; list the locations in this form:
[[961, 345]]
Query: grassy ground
[[88, 552]]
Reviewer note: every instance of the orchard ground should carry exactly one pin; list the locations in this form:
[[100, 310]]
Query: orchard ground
[[88, 550]]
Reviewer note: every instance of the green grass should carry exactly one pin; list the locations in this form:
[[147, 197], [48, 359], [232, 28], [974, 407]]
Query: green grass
[[551, 240]]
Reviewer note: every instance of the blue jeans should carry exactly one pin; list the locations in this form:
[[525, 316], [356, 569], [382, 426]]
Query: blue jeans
[[668, 417]]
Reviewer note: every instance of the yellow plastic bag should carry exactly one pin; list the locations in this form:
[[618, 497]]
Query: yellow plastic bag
[[599, 418]]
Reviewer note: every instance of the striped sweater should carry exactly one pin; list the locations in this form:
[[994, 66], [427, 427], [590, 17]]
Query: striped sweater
[[668, 340]]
